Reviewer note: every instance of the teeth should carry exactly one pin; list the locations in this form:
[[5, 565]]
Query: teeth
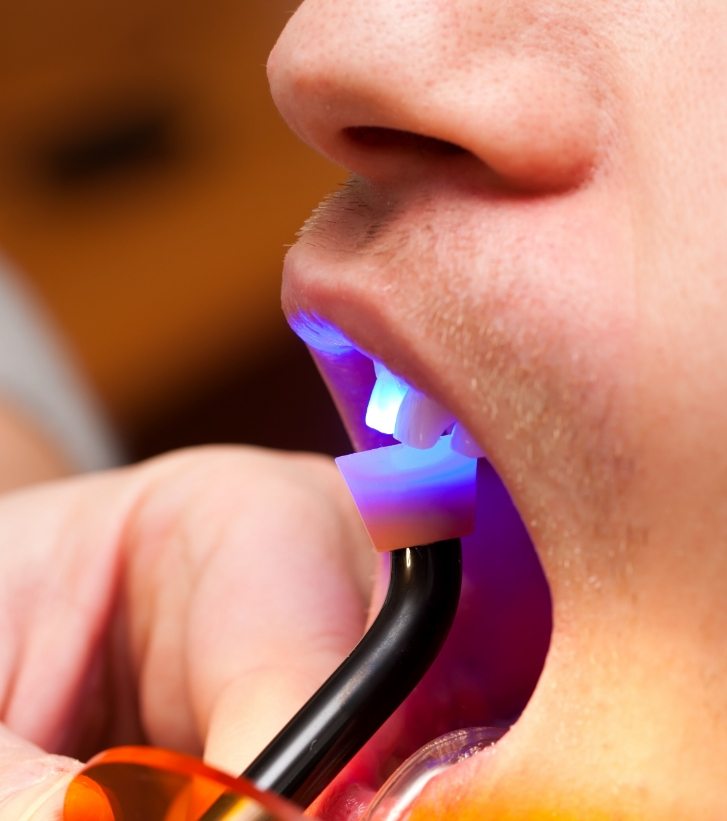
[[463, 442], [413, 418], [380, 370], [420, 421], [386, 399]]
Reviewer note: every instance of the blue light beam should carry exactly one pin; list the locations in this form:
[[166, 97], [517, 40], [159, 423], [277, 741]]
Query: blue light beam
[[386, 399]]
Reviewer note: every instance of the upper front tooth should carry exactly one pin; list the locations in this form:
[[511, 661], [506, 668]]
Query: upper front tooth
[[380, 369], [463, 442], [420, 421], [385, 401]]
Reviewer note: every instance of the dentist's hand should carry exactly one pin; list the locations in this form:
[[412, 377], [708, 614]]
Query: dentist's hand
[[193, 602]]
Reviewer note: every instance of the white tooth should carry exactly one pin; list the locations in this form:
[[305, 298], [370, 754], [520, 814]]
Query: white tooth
[[420, 421], [385, 401], [463, 442], [380, 369]]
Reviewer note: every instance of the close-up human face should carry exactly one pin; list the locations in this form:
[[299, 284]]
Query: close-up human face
[[532, 238]]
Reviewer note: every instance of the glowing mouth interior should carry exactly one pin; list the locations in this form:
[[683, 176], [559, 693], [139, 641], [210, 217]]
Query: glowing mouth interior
[[419, 491], [422, 490], [469, 685]]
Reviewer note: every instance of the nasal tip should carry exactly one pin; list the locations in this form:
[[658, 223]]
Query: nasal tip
[[387, 98]]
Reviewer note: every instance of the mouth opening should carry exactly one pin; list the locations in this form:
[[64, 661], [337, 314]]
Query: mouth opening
[[493, 657]]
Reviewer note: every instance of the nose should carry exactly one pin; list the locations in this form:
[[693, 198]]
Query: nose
[[384, 87]]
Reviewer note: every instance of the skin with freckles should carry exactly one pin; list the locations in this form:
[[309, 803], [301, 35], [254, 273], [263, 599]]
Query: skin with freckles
[[532, 236]]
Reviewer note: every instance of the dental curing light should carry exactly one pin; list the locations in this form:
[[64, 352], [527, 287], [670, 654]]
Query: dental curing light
[[369, 685], [407, 498], [373, 681]]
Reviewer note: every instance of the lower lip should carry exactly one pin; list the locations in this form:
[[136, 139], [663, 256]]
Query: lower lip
[[395, 799], [348, 803]]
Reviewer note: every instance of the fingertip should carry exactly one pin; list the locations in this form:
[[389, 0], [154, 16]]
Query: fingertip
[[32, 783], [41, 802]]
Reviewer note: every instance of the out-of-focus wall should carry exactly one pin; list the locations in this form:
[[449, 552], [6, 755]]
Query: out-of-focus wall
[[148, 187]]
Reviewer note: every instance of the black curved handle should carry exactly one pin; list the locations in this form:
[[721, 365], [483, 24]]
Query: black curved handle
[[370, 684]]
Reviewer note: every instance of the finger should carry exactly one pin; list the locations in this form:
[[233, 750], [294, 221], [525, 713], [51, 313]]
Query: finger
[[258, 703], [250, 712], [284, 631], [256, 574], [231, 564], [32, 783], [59, 570]]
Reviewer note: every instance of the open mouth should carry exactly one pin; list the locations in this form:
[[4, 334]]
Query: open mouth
[[493, 657]]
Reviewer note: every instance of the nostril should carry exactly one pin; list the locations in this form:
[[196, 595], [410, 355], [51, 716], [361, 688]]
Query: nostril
[[394, 139]]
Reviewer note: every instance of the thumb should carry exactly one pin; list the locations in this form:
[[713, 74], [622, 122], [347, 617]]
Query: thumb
[[32, 782], [255, 706], [259, 702]]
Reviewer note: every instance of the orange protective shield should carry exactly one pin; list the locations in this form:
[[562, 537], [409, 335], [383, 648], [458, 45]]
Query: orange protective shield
[[146, 784]]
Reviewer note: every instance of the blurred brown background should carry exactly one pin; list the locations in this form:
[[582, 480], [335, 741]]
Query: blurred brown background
[[147, 190]]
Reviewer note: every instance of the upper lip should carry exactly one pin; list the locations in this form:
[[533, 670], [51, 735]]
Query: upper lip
[[476, 298], [340, 276]]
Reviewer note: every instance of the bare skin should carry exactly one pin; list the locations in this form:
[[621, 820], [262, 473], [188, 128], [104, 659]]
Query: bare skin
[[533, 238], [178, 590], [548, 263]]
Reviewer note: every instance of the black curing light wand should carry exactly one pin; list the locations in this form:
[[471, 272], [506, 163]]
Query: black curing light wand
[[369, 685]]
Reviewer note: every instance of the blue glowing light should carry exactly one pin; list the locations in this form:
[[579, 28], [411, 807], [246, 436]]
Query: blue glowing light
[[408, 496], [386, 399], [320, 334]]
